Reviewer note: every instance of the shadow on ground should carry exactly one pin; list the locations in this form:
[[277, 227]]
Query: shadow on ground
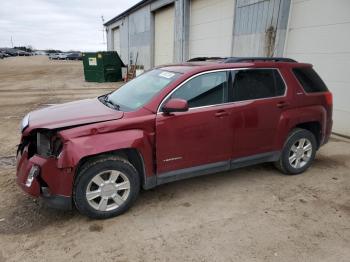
[[27, 215]]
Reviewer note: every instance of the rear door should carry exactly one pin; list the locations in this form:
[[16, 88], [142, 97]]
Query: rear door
[[202, 135], [259, 98]]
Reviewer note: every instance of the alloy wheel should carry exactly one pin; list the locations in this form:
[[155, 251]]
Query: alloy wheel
[[108, 190], [300, 153]]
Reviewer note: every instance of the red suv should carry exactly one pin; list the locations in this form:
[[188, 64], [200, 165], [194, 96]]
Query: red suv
[[170, 123]]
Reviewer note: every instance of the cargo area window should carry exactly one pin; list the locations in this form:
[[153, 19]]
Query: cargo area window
[[310, 80]]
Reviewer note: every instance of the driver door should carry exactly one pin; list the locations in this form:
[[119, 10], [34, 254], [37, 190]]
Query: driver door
[[199, 139]]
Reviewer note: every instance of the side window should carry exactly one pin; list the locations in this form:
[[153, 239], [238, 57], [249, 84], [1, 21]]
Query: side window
[[204, 90], [255, 84], [310, 80]]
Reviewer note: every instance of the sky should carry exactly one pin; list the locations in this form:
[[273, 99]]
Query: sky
[[58, 24]]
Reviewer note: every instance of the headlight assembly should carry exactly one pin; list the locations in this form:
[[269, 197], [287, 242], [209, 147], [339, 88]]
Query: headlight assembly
[[48, 144], [43, 144]]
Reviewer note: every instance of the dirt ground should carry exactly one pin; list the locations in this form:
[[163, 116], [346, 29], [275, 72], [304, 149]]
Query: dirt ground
[[250, 214]]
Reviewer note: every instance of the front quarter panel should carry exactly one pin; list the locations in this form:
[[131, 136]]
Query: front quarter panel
[[77, 148]]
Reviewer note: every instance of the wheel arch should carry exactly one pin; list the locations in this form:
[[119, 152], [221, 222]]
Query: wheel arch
[[133, 144], [131, 154], [314, 127], [311, 118]]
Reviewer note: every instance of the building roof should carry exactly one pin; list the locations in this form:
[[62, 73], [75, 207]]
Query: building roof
[[128, 11]]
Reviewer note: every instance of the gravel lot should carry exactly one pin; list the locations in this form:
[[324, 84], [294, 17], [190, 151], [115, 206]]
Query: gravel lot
[[250, 214]]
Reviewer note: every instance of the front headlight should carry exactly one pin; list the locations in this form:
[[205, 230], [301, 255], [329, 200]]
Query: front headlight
[[48, 144], [24, 123]]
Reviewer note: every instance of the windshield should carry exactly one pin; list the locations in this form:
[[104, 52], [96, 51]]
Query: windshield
[[142, 89]]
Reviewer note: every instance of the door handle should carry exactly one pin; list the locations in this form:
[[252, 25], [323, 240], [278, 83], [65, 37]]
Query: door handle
[[282, 104], [221, 113]]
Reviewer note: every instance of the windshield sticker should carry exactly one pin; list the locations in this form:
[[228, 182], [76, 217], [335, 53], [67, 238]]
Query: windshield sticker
[[166, 74]]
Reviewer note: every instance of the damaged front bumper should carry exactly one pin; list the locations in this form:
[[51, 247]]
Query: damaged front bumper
[[40, 177]]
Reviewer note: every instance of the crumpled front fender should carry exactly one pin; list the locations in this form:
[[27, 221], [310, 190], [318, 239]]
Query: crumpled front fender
[[78, 148]]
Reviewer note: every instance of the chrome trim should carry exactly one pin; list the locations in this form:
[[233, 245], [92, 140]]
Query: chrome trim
[[172, 159], [25, 122], [221, 70]]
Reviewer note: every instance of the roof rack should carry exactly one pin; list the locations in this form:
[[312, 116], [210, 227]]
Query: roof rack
[[242, 59], [203, 59], [258, 59]]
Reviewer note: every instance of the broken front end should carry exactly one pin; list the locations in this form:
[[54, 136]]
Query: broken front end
[[38, 171]]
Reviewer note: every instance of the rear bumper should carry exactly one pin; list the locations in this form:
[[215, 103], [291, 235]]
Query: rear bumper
[[328, 132], [51, 184]]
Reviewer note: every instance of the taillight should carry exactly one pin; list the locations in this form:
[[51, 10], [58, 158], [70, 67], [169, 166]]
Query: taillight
[[329, 98]]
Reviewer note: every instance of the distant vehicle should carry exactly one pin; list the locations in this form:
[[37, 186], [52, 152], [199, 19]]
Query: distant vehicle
[[23, 53], [74, 56], [10, 52], [4, 54], [53, 56], [62, 56], [39, 52]]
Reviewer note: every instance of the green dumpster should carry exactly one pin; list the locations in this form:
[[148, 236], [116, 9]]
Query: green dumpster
[[102, 67]]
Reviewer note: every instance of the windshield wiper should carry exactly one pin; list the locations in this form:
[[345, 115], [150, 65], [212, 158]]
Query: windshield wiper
[[110, 103]]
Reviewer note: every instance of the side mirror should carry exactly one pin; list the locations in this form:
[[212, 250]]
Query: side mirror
[[175, 105]]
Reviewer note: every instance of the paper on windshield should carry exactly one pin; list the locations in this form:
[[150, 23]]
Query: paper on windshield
[[166, 74]]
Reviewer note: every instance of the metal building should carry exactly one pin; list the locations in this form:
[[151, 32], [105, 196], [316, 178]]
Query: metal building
[[315, 31]]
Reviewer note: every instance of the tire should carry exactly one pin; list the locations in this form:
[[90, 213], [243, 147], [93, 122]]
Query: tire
[[112, 184], [293, 150]]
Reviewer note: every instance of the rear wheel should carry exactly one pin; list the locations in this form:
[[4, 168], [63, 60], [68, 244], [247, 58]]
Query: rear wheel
[[106, 187], [298, 152]]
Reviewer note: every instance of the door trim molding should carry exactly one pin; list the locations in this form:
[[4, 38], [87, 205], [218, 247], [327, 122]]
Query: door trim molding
[[193, 172], [216, 167]]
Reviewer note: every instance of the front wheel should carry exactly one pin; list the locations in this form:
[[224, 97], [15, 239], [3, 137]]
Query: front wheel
[[106, 187], [298, 152]]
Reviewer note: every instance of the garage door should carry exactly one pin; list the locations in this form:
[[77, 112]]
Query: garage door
[[323, 39], [211, 26], [116, 40], [164, 35]]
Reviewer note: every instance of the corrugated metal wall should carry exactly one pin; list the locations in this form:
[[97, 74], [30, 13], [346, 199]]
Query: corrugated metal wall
[[137, 33], [259, 30], [124, 38], [140, 36], [135, 37], [259, 27]]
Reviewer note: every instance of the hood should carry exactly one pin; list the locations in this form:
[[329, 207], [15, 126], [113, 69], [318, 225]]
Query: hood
[[71, 114]]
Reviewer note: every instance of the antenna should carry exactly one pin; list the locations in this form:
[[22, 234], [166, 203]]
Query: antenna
[[103, 30]]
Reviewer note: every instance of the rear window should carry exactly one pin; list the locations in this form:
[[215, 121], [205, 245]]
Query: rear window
[[310, 80]]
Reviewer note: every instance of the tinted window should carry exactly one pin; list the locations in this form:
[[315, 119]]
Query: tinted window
[[203, 90], [256, 83], [310, 80]]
